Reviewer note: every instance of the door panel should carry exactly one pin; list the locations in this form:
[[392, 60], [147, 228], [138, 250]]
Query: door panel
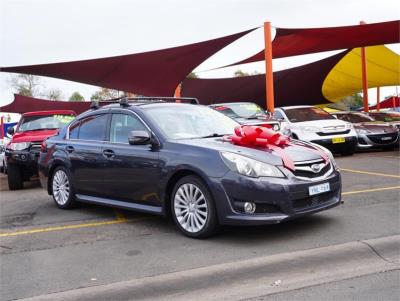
[[131, 172]]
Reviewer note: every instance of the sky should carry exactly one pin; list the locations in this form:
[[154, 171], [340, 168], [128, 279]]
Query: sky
[[46, 31]]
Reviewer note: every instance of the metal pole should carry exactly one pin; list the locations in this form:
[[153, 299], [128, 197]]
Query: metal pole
[[364, 76], [378, 100], [2, 127], [269, 75], [178, 91]]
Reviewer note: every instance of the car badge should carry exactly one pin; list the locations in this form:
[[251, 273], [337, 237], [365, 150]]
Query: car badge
[[316, 168]]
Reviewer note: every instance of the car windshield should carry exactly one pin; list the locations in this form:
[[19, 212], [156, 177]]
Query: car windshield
[[355, 118], [243, 110], [307, 114], [44, 122], [385, 117], [190, 121]]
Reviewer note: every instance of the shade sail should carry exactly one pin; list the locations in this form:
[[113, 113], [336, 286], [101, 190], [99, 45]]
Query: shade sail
[[295, 86], [23, 104], [154, 73], [290, 42], [390, 102], [383, 69]]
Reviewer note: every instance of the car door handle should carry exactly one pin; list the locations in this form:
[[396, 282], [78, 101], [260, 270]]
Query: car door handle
[[108, 153], [70, 148]]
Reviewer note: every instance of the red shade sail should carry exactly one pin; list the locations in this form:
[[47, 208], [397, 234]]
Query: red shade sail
[[390, 102], [290, 42], [23, 104], [296, 86], [154, 73]]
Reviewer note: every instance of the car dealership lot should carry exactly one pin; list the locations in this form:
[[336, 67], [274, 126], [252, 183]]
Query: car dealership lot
[[44, 249]]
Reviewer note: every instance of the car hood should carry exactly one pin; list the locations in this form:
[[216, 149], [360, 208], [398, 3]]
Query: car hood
[[263, 154], [31, 136], [375, 127]]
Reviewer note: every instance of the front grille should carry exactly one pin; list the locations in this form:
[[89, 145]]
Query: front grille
[[304, 169], [312, 201], [35, 147], [333, 133], [378, 138]]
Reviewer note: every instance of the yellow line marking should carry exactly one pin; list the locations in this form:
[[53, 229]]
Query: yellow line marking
[[370, 173], [371, 190], [68, 227]]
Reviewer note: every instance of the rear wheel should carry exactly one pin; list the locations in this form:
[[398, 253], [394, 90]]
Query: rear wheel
[[15, 180], [63, 192], [193, 208]]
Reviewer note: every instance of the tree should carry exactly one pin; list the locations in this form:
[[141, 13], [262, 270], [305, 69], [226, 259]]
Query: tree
[[348, 103], [76, 96], [240, 73], [104, 94], [192, 75], [54, 94], [26, 84]]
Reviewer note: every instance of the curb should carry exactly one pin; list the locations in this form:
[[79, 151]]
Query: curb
[[252, 277]]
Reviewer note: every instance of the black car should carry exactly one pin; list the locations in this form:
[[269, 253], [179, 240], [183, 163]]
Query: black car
[[174, 159], [247, 113]]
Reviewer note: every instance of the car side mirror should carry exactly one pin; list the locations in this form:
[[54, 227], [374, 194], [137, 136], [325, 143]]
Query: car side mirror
[[10, 130], [139, 137]]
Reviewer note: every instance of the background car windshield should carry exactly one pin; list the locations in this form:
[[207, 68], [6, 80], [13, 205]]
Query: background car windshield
[[385, 117], [307, 114], [33, 123], [245, 110], [190, 121], [354, 118]]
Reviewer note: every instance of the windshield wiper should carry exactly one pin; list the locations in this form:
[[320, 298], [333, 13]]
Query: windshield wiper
[[211, 136]]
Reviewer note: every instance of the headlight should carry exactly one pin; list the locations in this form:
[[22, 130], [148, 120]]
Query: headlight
[[328, 153], [362, 131], [276, 127], [18, 146], [250, 167], [311, 129]]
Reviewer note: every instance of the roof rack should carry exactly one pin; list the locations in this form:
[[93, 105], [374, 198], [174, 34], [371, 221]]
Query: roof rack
[[124, 101]]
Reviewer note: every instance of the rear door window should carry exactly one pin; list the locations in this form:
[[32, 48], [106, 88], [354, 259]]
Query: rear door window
[[92, 128]]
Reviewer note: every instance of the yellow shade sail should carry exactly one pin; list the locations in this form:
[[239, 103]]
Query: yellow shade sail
[[383, 69]]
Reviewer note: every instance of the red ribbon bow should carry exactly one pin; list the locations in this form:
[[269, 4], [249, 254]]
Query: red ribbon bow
[[247, 135]]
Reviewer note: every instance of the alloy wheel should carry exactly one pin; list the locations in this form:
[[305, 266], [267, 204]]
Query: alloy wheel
[[190, 208], [61, 187]]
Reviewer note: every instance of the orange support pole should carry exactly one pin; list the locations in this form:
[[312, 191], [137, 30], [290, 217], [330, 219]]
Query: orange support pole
[[364, 76], [269, 75], [2, 127], [378, 99], [393, 102], [177, 92]]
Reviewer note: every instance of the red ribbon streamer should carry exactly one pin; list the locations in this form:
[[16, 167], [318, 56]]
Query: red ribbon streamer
[[247, 135]]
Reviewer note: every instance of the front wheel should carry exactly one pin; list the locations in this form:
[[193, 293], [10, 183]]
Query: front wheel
[[15, 179], [193, 208], [63, 192]]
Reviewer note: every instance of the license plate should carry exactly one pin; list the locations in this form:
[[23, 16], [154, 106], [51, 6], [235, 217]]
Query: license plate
[[317, 189], [338, 140]]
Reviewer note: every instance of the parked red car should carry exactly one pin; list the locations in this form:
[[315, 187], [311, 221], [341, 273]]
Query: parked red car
[[22, 152]]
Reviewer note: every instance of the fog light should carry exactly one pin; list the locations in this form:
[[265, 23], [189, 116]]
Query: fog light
[[249, 207]]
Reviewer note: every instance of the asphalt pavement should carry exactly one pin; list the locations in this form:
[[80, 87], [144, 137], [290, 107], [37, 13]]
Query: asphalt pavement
[[45, 250]]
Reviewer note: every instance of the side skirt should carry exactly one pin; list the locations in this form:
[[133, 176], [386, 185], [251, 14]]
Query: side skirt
[[119, 204]]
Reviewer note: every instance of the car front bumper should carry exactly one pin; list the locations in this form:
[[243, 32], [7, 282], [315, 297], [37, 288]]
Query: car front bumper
[[27, 159], [377, 140], [276, 199]]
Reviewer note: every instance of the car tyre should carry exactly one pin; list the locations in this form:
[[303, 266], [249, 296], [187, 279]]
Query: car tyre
[[193, 208], [15, 180], [348, 151], [62, 188]]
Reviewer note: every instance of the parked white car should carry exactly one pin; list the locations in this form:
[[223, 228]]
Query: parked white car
[[315, 125], [2, 155]]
